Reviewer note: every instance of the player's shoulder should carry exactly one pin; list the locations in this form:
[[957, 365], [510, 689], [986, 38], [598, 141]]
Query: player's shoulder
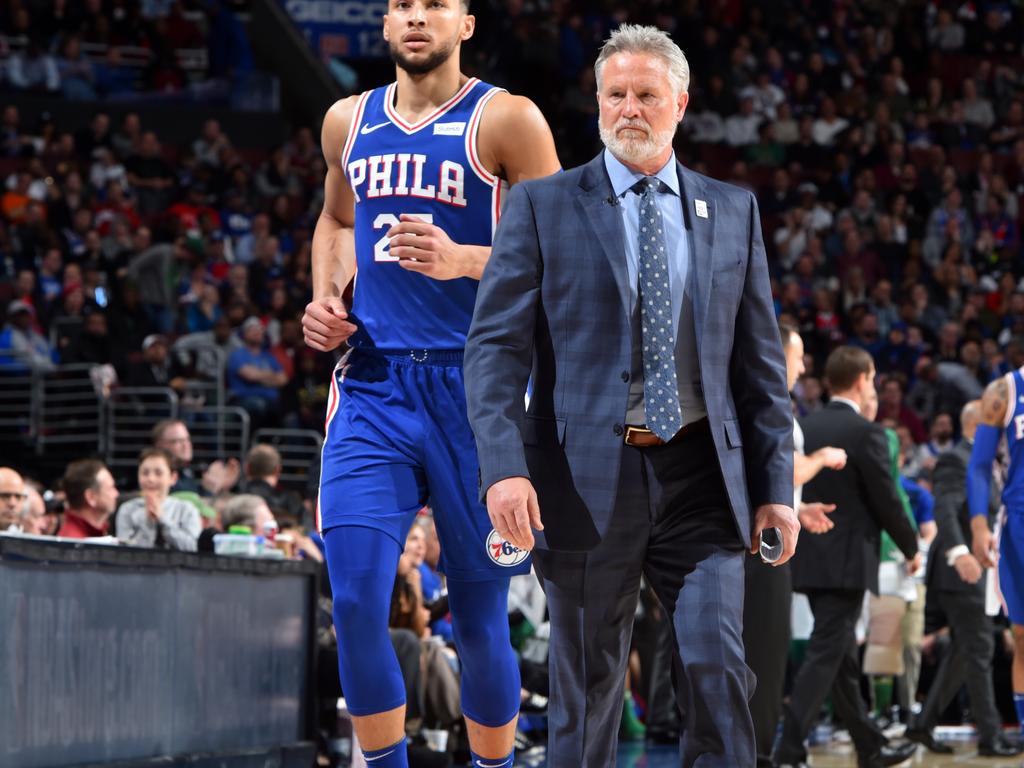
[[339, 116], [996, 399], [505, 104], [512, 115], [341, 112]]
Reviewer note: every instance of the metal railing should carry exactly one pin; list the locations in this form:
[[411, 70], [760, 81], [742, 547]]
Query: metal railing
[[49, 411], [18, 400], [299, 449], [219, 432], [70, 411], [63, 412], [131, 413]]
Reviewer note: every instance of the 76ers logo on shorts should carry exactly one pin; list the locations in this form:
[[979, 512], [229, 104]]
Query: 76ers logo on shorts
[[503, 552]]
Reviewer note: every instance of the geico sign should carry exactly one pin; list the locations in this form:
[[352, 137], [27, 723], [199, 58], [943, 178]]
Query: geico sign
[[351, 12]]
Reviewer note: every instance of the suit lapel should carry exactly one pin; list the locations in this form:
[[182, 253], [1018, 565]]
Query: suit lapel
[[606, 223], [702, 231]]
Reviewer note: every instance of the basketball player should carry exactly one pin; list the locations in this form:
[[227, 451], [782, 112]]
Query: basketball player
[[1002, 408], [417, 172]]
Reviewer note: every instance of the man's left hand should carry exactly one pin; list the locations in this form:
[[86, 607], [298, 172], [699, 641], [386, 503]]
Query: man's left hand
[[776, 516], [425, 248]]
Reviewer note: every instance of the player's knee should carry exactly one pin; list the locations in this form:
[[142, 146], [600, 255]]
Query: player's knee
[[490, 669], [354, 615], [483, 646]]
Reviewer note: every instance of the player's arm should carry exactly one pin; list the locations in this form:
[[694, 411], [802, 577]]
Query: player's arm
[[325, 322], [515, 144], [994, 403]]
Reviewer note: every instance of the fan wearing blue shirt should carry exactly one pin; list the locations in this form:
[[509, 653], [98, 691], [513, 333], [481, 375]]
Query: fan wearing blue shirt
[[255, 378]]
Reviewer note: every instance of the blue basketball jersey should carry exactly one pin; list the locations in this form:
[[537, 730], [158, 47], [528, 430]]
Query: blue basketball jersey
[[1013, 492], [430, 170]]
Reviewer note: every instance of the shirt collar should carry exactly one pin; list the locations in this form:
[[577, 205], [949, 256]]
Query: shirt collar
[[623, 177], [850, 403], [83, 525]]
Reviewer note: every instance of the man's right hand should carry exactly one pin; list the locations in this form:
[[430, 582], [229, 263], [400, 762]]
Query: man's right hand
[[814, 516], [832, 458], [325, 324], [968, 568], [983, 546], [513, 508]]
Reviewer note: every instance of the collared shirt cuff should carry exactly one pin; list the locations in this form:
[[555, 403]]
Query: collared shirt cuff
[[953, 553]]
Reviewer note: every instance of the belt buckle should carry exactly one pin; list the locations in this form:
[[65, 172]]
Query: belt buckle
[[631, 431], [414, 355]]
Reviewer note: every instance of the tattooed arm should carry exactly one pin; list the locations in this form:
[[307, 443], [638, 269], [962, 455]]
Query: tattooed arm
[[994, 407]]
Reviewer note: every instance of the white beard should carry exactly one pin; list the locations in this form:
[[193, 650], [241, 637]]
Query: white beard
[[636, 151]]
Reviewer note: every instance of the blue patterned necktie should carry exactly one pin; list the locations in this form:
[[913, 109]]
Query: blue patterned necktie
[[661, 389]]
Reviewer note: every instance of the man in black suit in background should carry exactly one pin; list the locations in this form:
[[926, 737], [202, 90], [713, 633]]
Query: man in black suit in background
[[835, 569], [768, 595], [957, 579]]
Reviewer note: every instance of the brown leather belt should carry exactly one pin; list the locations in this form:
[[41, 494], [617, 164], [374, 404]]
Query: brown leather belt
[[642, 437]]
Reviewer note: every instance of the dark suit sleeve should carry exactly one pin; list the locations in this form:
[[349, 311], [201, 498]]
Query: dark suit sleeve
[[757, 372], [880, 490], [499, 348], [950, 486]]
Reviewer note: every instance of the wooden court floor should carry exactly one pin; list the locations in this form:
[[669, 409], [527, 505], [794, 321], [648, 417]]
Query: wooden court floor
[[638, 755]]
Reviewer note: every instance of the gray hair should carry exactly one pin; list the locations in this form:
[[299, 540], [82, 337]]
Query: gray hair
[[241, 510], [634, 38]]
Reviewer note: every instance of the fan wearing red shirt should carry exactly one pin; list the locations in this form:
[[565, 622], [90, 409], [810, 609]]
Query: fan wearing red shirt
[[91, 499]]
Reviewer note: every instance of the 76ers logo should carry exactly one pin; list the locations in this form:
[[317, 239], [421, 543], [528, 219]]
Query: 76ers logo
[[503, 552]]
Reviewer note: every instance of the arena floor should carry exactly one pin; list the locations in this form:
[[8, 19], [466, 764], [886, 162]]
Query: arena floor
[[635, 755]]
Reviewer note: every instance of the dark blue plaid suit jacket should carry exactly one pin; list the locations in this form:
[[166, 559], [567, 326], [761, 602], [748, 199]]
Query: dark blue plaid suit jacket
[[554, 302]]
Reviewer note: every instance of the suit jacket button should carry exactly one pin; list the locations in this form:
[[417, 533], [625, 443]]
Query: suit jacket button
[[625, 375], [617, 429]]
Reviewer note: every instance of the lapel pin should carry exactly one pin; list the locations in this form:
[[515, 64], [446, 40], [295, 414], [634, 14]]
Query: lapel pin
[[702, 208]]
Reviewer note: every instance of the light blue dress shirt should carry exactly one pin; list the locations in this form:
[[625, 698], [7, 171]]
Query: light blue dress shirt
[[670, 204]]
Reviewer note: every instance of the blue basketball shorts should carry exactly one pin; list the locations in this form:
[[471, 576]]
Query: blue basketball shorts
[[398, 438], [1011, 565]]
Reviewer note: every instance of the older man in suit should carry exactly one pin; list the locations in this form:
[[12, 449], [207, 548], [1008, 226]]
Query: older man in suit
[[955, 577], [658, 438], [835, 569]]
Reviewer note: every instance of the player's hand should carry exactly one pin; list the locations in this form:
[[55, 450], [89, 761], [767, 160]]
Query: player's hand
[[968, 568], [833, 458], [513, 508], [914, 565], [425, 248], [776, 516], [325, 324], [814, 517], [983, 546]]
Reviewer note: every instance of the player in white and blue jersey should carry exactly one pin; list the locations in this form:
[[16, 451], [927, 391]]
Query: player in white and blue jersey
[[1002, 408], [416, 175]]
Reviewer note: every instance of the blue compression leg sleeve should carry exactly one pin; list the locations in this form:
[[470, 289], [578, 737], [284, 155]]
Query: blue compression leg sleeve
[[492, 762], [490, 670], [979, 471], [395, 756], [362, 563]]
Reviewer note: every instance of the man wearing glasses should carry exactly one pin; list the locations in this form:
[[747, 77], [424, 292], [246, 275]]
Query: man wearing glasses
[[12, 497]]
